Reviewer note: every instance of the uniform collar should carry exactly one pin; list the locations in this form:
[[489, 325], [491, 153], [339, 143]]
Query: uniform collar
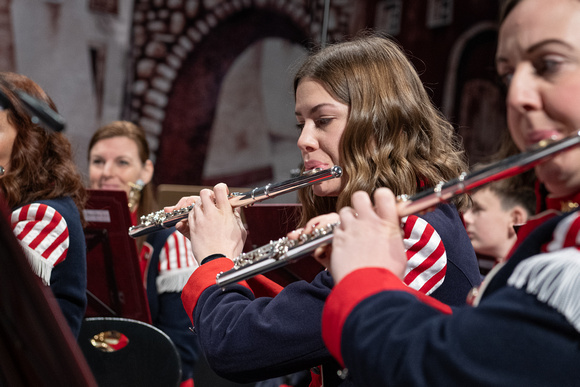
[[563, 204]]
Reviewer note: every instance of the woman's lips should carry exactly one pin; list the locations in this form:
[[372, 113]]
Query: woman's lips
[[110, 187], [540, 135], [308, 165]]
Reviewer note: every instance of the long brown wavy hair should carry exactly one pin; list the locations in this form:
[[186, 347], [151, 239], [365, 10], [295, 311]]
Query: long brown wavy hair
[[394, 136], [41, 163]]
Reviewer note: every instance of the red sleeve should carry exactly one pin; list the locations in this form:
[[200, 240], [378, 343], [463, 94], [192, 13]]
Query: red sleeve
[[202, 278], [354, 288], [264, 287], [205, 276]]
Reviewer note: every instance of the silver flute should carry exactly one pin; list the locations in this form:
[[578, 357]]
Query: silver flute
[[284, 251], [160, 220]]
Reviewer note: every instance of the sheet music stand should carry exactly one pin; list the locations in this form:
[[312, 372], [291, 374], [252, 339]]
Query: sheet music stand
[[114, 284], [37, 347], [267, 222]]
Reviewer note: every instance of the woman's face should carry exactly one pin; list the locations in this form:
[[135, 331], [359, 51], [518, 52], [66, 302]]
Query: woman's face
[[322, 120], [539, 58], [7, 137], [114, 163]]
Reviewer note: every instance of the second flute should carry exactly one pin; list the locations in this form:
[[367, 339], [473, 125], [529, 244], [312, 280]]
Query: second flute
[[284, 251], [160, 220]]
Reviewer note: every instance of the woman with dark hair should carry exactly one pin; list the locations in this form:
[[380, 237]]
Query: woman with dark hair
[[361, 105], [525, 327], [42, 186], [119, 160]]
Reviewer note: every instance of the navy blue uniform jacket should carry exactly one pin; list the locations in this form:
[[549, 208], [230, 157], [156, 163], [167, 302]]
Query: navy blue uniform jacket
[[247, 337], [524, 330]]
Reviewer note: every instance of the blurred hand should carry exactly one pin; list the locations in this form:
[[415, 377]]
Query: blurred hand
[[322, 253], [368, 237], [183, 225]]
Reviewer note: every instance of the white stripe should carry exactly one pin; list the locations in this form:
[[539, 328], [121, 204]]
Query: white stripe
[[41, 266], [560, 233], [170, 254], [17, 225], [420, 256], [188, 255], [183, 253], [415, 233], [176, 251], [50, 239], [39, 226]]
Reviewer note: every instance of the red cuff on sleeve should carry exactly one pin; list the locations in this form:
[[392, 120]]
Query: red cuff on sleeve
[[264, 287], [355, 287], [202, 278]]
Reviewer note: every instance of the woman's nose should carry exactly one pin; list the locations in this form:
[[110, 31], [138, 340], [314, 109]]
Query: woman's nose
[[307, 141], [108, 169], [523, 93]]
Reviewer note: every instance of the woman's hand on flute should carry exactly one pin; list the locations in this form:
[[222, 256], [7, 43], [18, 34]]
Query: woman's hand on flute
[[322, 253], [214, 226], [368, 237], [182, 226]]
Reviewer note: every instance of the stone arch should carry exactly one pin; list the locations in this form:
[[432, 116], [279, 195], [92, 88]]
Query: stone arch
[[171, 36], [191, 103]]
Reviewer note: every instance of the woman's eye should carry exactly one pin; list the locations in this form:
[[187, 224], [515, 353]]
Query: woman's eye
[[123, 162], [323, 121], [548, 66], [97, 162], [300, 127], [506, 78]]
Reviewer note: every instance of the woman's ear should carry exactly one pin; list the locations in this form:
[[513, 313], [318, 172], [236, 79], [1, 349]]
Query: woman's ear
[[147, 172]]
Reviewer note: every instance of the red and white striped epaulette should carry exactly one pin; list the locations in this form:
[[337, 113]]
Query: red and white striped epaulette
[[43, 234], [176, 264], [427, 259]]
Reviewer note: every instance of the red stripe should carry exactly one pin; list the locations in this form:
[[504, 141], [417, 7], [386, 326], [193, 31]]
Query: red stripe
[[62, 237], [46, 230], [434, 280], [177, 250], [22, 217], [409, 224], [422, 242], [426, 264], [25, 230]]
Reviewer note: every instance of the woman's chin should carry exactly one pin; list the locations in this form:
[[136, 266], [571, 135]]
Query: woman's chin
[[318, 191]]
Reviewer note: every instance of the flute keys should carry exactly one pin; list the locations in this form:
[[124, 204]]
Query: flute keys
[[153, 218]]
